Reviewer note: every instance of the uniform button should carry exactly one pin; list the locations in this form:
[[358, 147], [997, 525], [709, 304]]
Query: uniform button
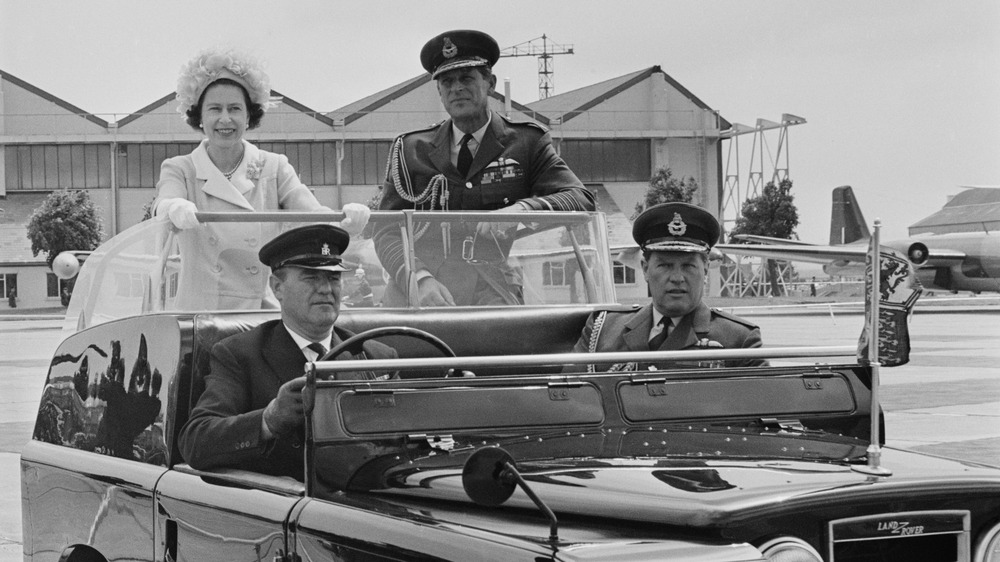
[[212, 240], [252, 242], [253, 269], [217, 268], [468, 185]]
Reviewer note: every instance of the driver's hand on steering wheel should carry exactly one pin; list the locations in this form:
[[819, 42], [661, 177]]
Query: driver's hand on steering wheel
[[284, 414], [433, 293]]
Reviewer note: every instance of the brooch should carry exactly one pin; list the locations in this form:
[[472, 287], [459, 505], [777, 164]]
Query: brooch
[[254, 169]]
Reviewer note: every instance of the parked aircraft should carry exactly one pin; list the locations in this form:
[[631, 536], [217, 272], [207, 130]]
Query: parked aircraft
[[962, 261]]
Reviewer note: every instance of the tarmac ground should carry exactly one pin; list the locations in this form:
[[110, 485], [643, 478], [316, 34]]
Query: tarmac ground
[[945, 401]]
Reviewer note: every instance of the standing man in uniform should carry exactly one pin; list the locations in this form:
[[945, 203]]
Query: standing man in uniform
[[250, 415], [675, 239], [475, 161]]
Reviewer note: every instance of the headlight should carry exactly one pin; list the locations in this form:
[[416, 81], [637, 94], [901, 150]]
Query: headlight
[[988, 548], [790, 549]]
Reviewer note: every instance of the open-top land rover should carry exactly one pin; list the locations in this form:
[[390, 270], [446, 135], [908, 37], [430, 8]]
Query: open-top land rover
[[533, 458]]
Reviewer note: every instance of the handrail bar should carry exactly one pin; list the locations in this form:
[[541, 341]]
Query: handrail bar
[[579, 358], [561, 217]]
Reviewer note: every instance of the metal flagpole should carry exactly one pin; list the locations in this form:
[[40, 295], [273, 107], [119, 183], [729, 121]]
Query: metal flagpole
[[874, 450]]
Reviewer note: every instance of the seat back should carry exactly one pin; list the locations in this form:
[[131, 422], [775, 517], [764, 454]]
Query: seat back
[[469, 332]]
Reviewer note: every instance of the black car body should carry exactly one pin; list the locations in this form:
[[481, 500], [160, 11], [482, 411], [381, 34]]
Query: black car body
[[520, 462]]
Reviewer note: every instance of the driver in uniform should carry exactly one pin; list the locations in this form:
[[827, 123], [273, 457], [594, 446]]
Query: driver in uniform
[[250, 415]]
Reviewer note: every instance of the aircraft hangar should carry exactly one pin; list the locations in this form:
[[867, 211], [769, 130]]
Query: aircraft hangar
[[614, 134]]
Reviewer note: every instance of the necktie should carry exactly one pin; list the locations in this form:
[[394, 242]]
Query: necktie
[[465, 156], [658, 339], [319, 348]]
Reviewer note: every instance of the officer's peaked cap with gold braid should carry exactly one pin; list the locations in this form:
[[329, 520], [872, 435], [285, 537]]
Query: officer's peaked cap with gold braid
[[676, 227], [461, 48]]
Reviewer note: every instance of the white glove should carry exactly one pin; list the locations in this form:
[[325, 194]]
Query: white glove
[[180, 211], [356, 218]]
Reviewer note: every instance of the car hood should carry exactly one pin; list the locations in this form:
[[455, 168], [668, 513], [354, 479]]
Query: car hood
[[725, 480]]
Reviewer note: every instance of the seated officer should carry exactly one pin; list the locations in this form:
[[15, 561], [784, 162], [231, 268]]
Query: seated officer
[[250, 415], [477, 160], [675, 239]]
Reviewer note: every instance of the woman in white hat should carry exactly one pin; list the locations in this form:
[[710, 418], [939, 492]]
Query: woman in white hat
[[223, 94]]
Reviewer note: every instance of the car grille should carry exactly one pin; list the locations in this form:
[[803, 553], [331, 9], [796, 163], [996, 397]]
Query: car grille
[[931, 536]]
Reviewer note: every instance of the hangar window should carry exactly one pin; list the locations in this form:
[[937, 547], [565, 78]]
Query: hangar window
[[55, 285], [139, 164], [607, 159], [8, 281], [316, 162], [624, 275], [563, 273], [364, 162], [554, 273], [50, 166]]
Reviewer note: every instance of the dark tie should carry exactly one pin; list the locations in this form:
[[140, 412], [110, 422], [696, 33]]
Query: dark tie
[[465, 156], [658, 339], [319, 348]]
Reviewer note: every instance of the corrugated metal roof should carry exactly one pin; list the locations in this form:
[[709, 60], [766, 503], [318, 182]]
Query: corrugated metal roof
[[170, 99], [578, 101], [367, 104], [56, 100], [575, 99]]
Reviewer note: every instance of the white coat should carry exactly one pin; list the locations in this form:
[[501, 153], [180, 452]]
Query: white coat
[[219, 265]]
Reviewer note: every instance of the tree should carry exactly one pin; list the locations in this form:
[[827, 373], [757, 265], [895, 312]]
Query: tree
[[665, 188], [772, 213], [66, 220], [147, 210]]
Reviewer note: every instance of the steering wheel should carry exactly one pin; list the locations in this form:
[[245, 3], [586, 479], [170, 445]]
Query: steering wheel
[[354, 343]]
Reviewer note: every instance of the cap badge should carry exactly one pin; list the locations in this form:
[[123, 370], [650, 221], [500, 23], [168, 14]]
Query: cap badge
[[325, 250], [677, 227], [449, 50]]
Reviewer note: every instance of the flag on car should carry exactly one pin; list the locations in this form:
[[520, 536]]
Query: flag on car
[[899, 290]]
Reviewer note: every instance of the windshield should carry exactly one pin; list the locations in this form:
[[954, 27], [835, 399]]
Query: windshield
[[534, 258]]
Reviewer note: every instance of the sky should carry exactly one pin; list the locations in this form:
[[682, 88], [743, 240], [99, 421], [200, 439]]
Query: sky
[[901, 97]]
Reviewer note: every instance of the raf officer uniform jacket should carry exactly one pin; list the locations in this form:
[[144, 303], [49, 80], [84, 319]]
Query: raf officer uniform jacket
[[219, 265], [629, 331], [515, 162], [224, 429]]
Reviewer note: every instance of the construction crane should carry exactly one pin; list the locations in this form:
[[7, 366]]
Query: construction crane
[[544, 49]]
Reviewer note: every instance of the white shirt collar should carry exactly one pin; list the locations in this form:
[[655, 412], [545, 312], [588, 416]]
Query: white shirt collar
[[477, 136], [657, 328], [304, 342]]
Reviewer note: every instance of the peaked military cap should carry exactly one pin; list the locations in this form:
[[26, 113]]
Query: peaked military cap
[[314, 246], [461, 48], [676, 227]]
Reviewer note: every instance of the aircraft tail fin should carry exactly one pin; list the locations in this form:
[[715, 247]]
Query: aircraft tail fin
[[847, 224]]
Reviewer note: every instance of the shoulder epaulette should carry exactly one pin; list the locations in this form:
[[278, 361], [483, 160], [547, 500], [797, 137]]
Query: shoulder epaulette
[[734, 318], [522, 123]]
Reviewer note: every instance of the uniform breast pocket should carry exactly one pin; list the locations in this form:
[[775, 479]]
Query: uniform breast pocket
[[503, 186]]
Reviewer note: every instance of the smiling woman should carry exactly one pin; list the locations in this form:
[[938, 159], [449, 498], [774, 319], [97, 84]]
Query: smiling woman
[[223, 94]]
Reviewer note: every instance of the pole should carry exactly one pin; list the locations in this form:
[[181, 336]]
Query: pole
[[874, 466]]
